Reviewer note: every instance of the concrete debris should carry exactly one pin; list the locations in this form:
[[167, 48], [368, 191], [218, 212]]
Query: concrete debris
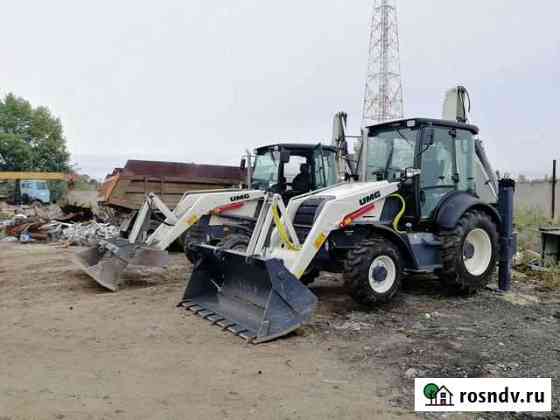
[[352, 326], [9, 239], [355, 321], [82, 234], [45, 212], [27, 224]]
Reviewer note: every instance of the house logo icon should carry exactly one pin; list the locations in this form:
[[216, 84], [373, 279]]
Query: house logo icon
[[439, 396]]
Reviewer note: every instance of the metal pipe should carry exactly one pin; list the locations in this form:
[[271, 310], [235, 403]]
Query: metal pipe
[[553, 204], [249, 169], [508, 237], [362, 163]]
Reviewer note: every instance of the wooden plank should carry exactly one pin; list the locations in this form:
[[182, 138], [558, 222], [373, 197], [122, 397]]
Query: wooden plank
[[43, 176]]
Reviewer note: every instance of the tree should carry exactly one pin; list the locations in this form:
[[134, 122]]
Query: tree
[[31, 139]]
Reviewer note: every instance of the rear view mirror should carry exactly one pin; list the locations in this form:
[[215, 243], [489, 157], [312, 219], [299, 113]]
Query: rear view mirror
[[243, 164], [411, 173]]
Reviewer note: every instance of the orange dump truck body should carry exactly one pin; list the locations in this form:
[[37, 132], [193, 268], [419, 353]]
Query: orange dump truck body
[[126, 187]]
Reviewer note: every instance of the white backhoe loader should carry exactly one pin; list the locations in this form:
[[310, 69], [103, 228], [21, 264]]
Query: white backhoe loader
[[286, 169], [417, 207]]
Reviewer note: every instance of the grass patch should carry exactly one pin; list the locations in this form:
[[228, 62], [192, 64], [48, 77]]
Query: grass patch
[[527, 223], [551, 278]]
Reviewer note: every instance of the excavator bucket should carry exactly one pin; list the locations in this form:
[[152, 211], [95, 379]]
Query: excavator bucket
[[106, 261], [253, 297]]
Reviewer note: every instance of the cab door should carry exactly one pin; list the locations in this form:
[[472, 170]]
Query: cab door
[[439, 169], [319, 171]]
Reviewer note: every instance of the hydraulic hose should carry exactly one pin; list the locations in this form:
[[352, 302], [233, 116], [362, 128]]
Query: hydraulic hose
[[284, 237], [399, 215]]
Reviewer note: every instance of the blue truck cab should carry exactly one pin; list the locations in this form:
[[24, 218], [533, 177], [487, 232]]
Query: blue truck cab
[[34, 190]]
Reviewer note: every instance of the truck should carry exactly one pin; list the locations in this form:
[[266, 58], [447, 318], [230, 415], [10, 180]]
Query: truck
[[124, 191]]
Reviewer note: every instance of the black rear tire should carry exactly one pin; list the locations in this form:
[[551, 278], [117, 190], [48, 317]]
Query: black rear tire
[[463, 268], [373, 271]]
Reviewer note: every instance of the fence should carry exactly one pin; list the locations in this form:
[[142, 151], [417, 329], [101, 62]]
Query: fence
[[537, 196]]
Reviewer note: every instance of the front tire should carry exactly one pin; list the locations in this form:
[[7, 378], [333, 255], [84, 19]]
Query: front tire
[[469, 252], [195, 235], [373, 271], [235, 241]]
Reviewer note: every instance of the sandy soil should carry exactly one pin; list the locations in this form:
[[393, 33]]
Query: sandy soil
[[71, 350], [68, 349]]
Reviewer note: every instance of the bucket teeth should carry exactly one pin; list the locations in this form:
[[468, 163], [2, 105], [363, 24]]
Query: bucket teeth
[[219, 321], [214, 319], [255, 298]]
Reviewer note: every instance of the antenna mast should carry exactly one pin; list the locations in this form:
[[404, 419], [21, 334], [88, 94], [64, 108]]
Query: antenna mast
[[383, 98]]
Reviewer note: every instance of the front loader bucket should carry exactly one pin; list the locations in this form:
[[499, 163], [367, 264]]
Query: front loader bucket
[[106, 261], [253, 297], [102, 266]]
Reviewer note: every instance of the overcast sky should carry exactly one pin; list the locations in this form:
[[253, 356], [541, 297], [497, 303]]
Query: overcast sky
[[200, 81]]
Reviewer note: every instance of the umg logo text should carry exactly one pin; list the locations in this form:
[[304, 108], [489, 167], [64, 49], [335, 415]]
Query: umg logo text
[[371, 197], [240, 197]]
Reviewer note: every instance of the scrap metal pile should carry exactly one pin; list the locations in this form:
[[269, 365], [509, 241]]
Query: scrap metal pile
[[51, 224]]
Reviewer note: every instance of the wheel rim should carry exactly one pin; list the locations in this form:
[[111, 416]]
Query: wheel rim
[[477, 251], [382, 274]]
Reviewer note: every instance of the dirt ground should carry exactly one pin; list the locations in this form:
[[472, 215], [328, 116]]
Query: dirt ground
[[69, 349]]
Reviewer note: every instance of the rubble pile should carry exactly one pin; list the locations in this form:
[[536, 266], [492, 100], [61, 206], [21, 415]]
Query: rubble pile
[[83, 234], [52, 224]]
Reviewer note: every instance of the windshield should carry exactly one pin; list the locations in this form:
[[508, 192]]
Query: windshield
[[40, 185], [34, 185], [265, 172], [390, 152]]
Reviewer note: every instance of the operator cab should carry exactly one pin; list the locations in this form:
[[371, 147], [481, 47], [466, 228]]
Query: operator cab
[[443, 151], [294, 169]]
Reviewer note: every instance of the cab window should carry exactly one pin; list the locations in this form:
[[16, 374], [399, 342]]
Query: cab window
[[293, 167], [325, 168], [438, 168], [390, 151]]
